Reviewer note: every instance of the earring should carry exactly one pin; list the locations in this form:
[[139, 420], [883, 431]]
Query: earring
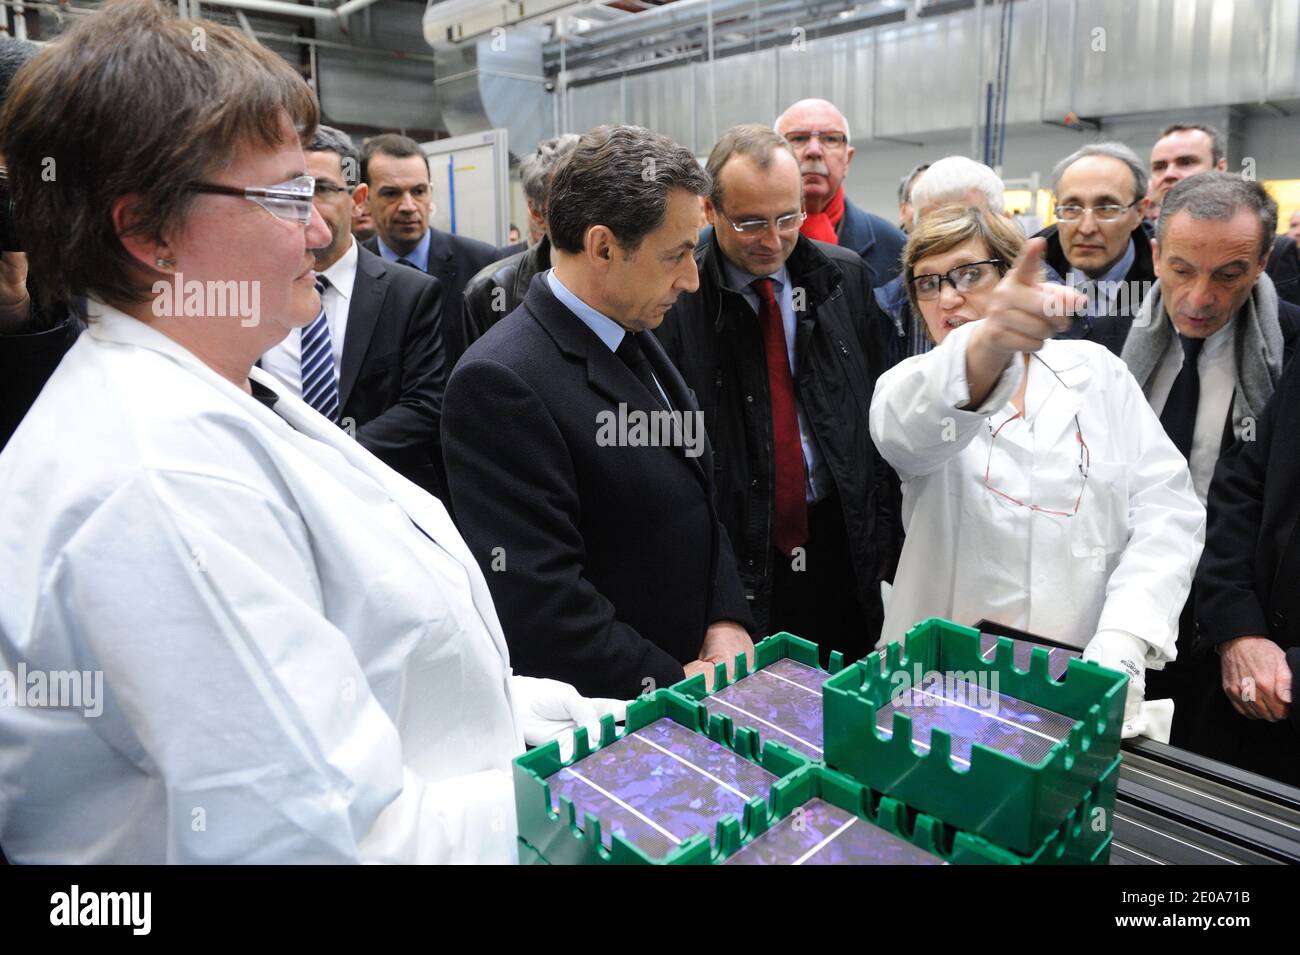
[[166, 263]]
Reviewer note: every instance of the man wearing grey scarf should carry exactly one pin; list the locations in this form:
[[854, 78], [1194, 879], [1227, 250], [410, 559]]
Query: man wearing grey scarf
[[1208, 348]]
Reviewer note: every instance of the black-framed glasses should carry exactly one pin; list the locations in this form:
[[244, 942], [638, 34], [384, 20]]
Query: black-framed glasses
[[963, 278], [831, 139], [329, 189], [290, 201], [1109, 212], [786, 223], [1084, 466]]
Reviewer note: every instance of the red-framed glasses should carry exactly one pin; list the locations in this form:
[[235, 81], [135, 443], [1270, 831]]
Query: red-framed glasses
[[1085, 461]]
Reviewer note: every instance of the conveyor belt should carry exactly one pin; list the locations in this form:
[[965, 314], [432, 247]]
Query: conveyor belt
[[1177, 808]]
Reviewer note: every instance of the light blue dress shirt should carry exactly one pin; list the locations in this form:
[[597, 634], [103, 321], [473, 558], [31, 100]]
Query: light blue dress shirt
[[818, 474], [1096, 307], [419, 256], [606, 329]]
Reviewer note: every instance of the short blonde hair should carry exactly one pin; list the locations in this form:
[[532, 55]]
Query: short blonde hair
[[948, 227]]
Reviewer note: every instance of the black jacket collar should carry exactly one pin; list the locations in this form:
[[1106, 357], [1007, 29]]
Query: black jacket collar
[[809, 269], [1142, 269]]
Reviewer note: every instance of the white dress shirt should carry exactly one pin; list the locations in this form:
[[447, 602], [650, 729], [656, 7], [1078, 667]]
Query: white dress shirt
[[1218, 384], [285, 359]]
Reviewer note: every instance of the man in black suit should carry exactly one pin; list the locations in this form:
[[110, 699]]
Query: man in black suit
[[1248, 594], [373, 360], [396, 173], [576, 458]]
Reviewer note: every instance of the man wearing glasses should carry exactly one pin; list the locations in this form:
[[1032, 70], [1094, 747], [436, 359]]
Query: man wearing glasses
[[819, 135], [1098, 242], [780, 345], [373, 360]]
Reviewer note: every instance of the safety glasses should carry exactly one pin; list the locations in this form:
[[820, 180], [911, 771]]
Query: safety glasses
[[290, 201]]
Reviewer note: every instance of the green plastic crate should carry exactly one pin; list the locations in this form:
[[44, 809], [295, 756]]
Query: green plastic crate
[[999, 798], [779, 646], [1077, 840], [560, 838], [530, 856]]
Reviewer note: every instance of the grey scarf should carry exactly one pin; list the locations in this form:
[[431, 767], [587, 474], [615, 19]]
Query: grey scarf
[[1257, 348]]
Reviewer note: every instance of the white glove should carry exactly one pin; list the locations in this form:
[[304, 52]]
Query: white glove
[[1127, 654], [548, 709]]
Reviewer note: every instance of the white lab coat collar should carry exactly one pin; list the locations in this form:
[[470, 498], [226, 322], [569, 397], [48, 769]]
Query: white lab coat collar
[[1052, 400]]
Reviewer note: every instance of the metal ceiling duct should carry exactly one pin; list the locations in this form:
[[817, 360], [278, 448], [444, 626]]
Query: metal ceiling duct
[[496, 82]]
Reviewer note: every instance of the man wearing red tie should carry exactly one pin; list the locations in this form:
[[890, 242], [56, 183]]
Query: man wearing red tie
[[781, 346]]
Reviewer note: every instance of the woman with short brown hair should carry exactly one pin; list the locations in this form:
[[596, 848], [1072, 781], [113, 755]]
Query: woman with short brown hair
[[284, 651]]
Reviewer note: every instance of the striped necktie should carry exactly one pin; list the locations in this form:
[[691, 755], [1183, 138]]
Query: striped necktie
[[320, 387]]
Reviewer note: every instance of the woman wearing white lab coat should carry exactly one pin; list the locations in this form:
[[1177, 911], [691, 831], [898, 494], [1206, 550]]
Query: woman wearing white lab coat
[[1039, 489], [286, 651]]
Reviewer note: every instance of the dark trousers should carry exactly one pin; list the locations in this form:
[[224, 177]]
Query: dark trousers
[[817, 599]]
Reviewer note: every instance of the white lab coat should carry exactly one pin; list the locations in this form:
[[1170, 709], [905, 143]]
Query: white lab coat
[[1123, 562], [292, 670]]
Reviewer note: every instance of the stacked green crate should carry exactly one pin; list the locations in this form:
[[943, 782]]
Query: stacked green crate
[[1017, 805], [1073, 843], [552, 830]]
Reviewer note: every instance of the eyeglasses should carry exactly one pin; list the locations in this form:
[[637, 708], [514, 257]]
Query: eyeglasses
[[1106, 213], [329, 189], [799, 138], [786, 223], [1085, 460], [290, 201], [963, 278]]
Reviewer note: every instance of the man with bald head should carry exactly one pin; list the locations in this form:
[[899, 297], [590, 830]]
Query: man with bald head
[[820, 137], [781, 344]]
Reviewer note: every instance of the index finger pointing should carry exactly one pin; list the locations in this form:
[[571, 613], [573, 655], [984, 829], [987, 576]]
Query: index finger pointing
[[1028, 267]]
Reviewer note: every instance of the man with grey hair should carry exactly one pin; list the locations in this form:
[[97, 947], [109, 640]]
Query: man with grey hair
[[781, 342], [1185, 149], [497, 290], [958, 179], [1099, 243], [373, 360], [580, 474], [1208, 348], [820, 137]]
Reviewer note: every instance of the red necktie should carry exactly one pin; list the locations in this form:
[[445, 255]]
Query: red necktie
[[791, 502]]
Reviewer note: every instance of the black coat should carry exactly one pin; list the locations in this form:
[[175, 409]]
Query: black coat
[[716, 341], [394, 368], [498, 290], [606, 562], [1110, 330], [27, 359], [1284, 269], [453, 261], [1248, 581]]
